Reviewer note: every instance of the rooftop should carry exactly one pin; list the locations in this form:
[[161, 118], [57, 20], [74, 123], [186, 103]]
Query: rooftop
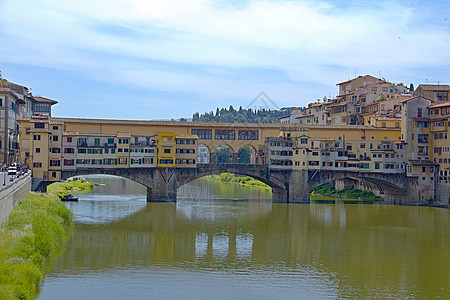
[[45, 100]]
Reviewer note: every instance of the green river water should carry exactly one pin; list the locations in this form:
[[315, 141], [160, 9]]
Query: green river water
[[225, 241]]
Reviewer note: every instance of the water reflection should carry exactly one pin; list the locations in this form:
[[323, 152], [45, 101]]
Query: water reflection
[[278, 250]]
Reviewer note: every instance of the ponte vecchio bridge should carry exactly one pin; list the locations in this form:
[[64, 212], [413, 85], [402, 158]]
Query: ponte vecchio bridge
[[162, 182]]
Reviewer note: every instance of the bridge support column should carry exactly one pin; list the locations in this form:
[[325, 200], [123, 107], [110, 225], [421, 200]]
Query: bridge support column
[[163, 187], [299, 191], [279, 195]]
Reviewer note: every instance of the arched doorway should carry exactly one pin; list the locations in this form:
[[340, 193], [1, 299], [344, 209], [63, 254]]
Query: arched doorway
[[203, 154], [246, 155], [223, 155]]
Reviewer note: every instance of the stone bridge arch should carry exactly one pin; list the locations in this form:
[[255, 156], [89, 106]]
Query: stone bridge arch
[[162, 183], [389, 186], [276, 180]]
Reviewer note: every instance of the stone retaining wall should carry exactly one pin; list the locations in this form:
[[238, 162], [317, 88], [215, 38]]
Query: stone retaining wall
[[11, 194]]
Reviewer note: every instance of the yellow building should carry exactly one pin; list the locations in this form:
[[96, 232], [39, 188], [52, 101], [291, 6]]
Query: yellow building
[[165, 145]]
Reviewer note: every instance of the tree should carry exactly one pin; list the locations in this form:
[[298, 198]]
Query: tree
[[223, 155], [411, 87], [244, 154]]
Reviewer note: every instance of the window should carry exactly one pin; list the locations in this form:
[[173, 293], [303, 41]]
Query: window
[[224, 134], [56, 150], [97, 142], [422, 138], [303, 141], [110, 141], [55, 127], [203, 134], [69, 150], [123, 141], [55, 138], [362, 146], [39, 125], [166, 161], [419, 112], [55, 163], [69, 162], [167, 151], [38, 150], [37, 165], [81, 150], [69, 139], [123, 161], [248, 135], [37, 137]]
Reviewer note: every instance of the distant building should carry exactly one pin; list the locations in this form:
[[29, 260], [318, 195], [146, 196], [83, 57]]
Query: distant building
[[433, 92]]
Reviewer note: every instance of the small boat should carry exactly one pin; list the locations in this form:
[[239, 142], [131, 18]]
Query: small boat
[[68, 197]]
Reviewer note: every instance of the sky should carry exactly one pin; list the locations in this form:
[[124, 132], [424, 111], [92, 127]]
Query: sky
[[160, 60]]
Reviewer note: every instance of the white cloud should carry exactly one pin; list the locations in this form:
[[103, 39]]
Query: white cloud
[[184, 45]]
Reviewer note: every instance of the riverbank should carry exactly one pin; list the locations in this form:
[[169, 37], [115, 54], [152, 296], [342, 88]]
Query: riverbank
[[328, 192], [232, 178], [32, 238], [75, 185]]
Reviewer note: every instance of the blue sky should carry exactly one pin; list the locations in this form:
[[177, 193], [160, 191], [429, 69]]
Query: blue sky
[[143, 59]]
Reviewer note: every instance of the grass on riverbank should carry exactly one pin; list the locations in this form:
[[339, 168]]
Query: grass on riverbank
[[231, 177], [328, 190], [33, 237], [76, 185]]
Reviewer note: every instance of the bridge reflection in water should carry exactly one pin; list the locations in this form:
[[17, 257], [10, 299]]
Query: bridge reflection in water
[[359, 250]]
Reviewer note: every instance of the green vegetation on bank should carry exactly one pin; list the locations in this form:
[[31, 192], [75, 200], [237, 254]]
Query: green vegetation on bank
[[241, 115], [32, 238], [75, 185], [231, 177], [328, 189]]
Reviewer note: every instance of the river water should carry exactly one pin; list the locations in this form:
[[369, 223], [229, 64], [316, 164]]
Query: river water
[[224, 241]]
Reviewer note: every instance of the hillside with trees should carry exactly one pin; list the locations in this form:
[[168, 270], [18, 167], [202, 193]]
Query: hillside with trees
[[241, 115]]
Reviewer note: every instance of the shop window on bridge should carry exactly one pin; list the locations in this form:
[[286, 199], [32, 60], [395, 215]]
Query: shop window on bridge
[[248, 135], [96, 161], [148, 160], [224, 134], [110, 161], [123, 161], [166, 161], [203, 134]]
